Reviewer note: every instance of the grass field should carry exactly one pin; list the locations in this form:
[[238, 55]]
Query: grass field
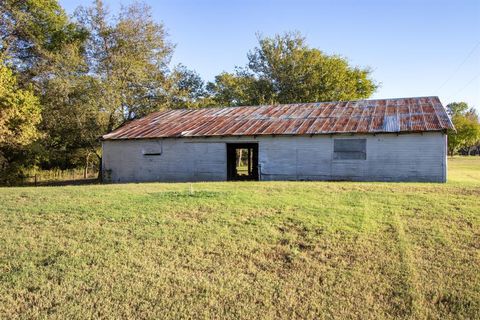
[[244, 250]]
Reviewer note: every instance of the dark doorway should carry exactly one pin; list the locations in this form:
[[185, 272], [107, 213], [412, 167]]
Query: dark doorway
[[242, 161]]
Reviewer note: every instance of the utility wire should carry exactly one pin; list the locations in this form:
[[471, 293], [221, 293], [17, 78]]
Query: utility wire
[[468, 83], [458, 68]]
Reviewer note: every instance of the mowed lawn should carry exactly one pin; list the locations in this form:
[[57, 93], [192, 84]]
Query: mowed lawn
[[244, 250]]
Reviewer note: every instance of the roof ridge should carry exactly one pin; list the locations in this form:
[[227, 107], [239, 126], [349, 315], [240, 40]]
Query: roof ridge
[[294, 103]]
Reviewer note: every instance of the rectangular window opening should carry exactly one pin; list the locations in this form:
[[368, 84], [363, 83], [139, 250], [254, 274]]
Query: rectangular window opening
[[350, 149]]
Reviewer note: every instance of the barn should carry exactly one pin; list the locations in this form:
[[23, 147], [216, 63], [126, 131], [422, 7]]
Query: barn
[[365, 140]]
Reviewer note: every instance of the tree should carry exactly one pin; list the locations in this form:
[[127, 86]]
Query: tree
[[457, 108], [91, 73], [29, 29], [19, 111], [467, 126], [128, 55], [187, 89], [240, 88], [19, 115], [284, 69], [72, 117], [45, 48]]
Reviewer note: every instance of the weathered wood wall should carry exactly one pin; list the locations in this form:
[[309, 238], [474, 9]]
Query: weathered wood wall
[[390, 157]]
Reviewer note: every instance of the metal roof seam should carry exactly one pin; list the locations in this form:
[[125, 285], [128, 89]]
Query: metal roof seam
[[360, 116], [423, 116], [371, 119]]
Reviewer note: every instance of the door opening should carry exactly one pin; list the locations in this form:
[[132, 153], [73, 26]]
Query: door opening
[[242, 161]]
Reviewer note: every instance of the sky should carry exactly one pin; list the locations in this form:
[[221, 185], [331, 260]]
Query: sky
[[415, 48]]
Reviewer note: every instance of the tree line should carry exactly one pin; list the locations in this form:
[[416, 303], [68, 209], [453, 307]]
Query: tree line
[[67, 80], [466, 138]]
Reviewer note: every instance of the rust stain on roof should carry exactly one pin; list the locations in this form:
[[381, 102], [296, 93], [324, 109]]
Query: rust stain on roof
[[361, 116]]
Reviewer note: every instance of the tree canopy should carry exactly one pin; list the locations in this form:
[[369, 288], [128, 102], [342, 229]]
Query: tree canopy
[[19, 111], [284, 69], [466, 122], [67, 80], [30, 29], [128, 56], [19, 116]]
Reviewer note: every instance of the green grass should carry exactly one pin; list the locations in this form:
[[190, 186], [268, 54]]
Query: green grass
[[244, 250]]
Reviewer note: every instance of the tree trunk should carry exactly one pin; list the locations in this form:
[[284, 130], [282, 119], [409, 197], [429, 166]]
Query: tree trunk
[[240, 153], [85, 169], [100, 175]]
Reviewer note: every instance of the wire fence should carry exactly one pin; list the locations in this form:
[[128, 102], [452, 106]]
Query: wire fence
[[58, 177]]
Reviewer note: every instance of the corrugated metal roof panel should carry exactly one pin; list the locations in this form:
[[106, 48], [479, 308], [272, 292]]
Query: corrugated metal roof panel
[[361, 116], [391, 123]]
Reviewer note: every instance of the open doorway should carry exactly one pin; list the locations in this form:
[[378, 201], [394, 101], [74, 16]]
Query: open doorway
[[242, 161]]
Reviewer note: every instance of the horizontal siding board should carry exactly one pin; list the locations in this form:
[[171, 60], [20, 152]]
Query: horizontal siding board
[[389, 157]]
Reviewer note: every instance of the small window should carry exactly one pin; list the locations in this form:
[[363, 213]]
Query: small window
[[152, 152], [350, 149]]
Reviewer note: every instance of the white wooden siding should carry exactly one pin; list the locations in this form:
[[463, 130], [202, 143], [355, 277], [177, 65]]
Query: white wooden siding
[[390, 157]]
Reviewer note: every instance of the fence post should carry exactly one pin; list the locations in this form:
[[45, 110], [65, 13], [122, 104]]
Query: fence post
[[35, 179]]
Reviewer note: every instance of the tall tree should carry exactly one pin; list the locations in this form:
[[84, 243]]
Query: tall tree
[[240, 88], [72, 117], [284, 69], [19, 111], [43, 45], [30, 29], [466, 122], [187, 89], [19, 115], [128, 55], [91, 73], [457, 108]]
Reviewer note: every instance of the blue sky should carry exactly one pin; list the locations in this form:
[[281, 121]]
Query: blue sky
[[415, 48]]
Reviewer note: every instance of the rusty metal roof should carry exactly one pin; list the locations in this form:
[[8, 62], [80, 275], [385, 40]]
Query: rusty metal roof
[[360, 116]]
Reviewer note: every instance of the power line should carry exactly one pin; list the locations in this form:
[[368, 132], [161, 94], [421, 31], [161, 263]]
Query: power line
[[458, 68], [468, 83]]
